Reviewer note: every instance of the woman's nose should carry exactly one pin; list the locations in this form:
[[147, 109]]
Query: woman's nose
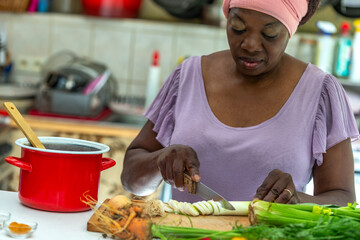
[[252, 43]]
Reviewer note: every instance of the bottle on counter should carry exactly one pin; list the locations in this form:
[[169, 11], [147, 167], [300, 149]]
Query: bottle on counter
[[343, 53], [326, 46], [153, 81], [355, 60]]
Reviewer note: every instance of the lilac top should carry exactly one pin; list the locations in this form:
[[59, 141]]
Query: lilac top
[[234, 161]]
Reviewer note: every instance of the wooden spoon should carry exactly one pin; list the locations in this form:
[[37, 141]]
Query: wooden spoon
[[23, 125]]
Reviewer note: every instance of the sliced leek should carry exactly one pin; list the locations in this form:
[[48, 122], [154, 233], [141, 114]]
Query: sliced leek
[[206, 208]]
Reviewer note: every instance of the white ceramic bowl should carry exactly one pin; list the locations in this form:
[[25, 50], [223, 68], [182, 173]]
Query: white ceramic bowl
[[4, 216]]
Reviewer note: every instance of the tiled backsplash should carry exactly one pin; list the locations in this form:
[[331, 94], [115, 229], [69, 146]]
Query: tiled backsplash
[[124, 45]]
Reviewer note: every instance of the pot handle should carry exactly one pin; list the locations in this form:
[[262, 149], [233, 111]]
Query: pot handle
[[107, 163], [18, 163]]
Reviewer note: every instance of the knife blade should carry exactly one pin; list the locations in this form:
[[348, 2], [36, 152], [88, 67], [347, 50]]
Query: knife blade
[[205, 192]]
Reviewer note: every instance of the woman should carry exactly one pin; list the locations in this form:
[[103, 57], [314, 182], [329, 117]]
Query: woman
[[252, 121]]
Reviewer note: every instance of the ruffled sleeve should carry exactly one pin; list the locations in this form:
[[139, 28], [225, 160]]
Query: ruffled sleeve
[[161, 111], [334, 120]]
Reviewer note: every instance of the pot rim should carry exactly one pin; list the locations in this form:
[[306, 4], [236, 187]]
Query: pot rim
[[102, 147]]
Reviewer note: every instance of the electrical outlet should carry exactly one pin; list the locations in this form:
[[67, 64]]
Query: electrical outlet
[[29, 63]]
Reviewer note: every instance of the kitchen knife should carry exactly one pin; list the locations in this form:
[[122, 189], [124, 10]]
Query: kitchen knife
[[205, 192]]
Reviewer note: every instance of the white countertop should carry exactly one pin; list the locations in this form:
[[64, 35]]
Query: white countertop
[[51, 225]]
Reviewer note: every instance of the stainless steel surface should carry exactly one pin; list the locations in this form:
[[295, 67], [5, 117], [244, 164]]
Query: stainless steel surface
[[207, 193]]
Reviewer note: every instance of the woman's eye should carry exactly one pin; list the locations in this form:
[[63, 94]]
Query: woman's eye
[[238, 30], [270, 37]]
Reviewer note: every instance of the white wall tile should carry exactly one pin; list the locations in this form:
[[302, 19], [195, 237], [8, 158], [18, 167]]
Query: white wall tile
[[222, 42], [145, 45], [136, 90], [71, 33], [292, 46], [196, 30], [30, 35], [192, 40], [113, 47], [187, 45], [122, 88]]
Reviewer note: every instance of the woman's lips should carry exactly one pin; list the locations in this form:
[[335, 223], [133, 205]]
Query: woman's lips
[[250, 63]]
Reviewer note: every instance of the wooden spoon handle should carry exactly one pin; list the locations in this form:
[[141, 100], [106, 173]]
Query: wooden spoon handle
[[23, 125]]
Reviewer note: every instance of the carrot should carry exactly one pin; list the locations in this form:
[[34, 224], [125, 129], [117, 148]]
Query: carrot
[[142, 228], [127, 222]]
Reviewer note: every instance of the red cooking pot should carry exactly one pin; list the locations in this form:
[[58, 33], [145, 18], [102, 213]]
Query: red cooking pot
[[57, 178], [112, 8]]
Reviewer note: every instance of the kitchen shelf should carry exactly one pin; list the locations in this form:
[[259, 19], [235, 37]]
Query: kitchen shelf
[[80, 126]]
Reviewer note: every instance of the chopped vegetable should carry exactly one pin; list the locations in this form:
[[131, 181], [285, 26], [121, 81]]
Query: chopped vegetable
[[153, 208], [207, 208]]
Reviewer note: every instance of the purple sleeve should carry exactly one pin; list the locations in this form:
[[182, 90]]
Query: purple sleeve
[[161, 111], [334, 120]]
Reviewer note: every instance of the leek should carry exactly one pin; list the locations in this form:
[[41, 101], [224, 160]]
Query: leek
[[279, 214], [207, 208]]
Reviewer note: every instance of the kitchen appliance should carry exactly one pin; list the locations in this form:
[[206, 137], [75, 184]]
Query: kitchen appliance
[[63, 88], [205, 192], [347, 8], [58, 177], [185, 9]]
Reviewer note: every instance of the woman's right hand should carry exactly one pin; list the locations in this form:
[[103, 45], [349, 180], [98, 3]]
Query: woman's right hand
[[174, 161]]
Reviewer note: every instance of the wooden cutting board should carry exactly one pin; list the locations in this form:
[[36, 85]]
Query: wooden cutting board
[[223, 223]]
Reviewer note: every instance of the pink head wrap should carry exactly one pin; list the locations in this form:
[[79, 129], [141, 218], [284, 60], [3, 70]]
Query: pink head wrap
[[288, 12]]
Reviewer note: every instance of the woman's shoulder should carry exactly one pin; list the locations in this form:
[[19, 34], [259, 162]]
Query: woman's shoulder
[[217, 61], [309, 71], [217, 57]]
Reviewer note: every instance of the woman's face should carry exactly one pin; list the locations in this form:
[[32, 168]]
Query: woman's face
[[257, 41]]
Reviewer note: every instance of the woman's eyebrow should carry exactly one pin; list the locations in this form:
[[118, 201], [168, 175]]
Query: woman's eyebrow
[[272, 24], [237, 16]]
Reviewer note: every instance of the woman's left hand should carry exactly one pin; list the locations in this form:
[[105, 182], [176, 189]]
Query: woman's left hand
[[278, 187]]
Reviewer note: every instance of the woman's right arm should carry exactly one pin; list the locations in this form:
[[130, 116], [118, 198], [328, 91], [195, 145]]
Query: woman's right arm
[[147, 163]]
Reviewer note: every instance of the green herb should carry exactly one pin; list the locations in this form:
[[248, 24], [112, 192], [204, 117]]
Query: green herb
[[343, 228]]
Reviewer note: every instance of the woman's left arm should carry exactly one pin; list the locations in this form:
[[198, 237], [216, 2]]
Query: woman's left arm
[[334, 179]]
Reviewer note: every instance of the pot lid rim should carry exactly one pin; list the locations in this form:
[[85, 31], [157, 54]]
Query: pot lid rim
[[102, 147]]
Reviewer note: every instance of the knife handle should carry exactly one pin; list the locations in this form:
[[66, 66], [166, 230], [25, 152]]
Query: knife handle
[[190, 184]]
